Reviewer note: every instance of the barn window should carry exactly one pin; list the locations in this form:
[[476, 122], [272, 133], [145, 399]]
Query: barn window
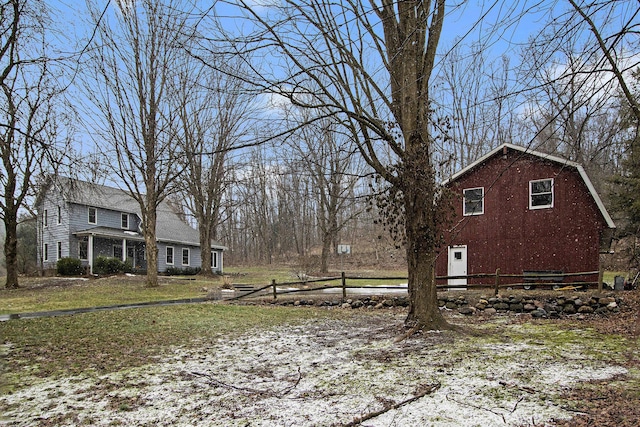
[[541, 194], [185, 256], [473, 201]]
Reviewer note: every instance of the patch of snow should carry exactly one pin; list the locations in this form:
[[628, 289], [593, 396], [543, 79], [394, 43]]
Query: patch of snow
[[319, 373]]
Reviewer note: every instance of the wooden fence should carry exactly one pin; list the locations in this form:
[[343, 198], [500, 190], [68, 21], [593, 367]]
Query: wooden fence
[[528, 280]]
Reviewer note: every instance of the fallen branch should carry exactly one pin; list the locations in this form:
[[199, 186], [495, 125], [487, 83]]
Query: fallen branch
[[268, 393], [425, 391]]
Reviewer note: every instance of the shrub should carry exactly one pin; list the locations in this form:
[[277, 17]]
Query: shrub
[[108, 265], [187, 271], [69, 267]]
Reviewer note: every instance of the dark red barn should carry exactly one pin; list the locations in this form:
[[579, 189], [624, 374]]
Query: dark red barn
[[524, 212]]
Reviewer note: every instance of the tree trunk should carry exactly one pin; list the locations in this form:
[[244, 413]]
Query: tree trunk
[[11, 249], [324, 256], [152, 248], [205, 248], [421, 224]]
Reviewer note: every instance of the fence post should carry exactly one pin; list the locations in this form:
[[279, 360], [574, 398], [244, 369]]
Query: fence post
[[497, 280], [344, 287], [601, 277], [275, 292]]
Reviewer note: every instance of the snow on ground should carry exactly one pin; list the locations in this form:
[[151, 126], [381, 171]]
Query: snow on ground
[[321, 373]]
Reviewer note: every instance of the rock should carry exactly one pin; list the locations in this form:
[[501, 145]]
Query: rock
[[569, 309], [379, 306], [612, 306], [606, 300], [451, 305], [466, 310], [601, 310], [517, 307], [585, 309], [578, 302], [515, 299], [501, 306], [483, 301], [490, 311], [481, 306], [441, 303], [297, 303], [539, 313], [529, 307], [345, 305]]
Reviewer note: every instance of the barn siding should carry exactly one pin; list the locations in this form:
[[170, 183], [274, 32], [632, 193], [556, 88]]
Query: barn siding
[[514, 238]]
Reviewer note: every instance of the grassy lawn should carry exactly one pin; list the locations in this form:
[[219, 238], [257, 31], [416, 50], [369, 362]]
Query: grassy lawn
[[58, 293], [107, 341]]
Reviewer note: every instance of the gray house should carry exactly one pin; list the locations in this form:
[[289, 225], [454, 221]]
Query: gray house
[[83, 220]]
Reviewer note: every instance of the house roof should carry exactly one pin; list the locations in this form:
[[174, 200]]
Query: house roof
[[170, 228], [544, 156]]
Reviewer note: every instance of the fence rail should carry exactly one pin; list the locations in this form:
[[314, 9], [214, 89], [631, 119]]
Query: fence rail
[[529, 279]]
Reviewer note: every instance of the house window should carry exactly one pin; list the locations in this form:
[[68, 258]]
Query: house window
[[59, 215], [83, 249], [59, 245], [117, 251], [185, 256], [93, 216], [214, 259], [473, 201], [45, 252], [45, 218], [541, 194], [124, 221], [170, 255]]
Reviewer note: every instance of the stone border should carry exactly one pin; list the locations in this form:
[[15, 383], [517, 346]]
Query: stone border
[[537, 307]]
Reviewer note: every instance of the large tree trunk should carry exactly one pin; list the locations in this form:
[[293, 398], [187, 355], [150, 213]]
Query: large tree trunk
[[421, 230]]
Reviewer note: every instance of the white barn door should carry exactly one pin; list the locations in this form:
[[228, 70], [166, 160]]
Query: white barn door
[[457, 266]]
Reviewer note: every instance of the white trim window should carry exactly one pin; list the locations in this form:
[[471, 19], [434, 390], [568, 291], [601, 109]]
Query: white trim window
[[45, 218], [124, 221], [214, 259], [92, 215], [473, 203], [45, 252], [59, 249], [541, 194], [59, 215], [186, 256], [169, 254]]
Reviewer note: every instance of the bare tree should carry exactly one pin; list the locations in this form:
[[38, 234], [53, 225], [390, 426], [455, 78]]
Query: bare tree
[[215, 112], [134, 56], [370, 65], [328, 159], [478, 102], [28, 128]]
